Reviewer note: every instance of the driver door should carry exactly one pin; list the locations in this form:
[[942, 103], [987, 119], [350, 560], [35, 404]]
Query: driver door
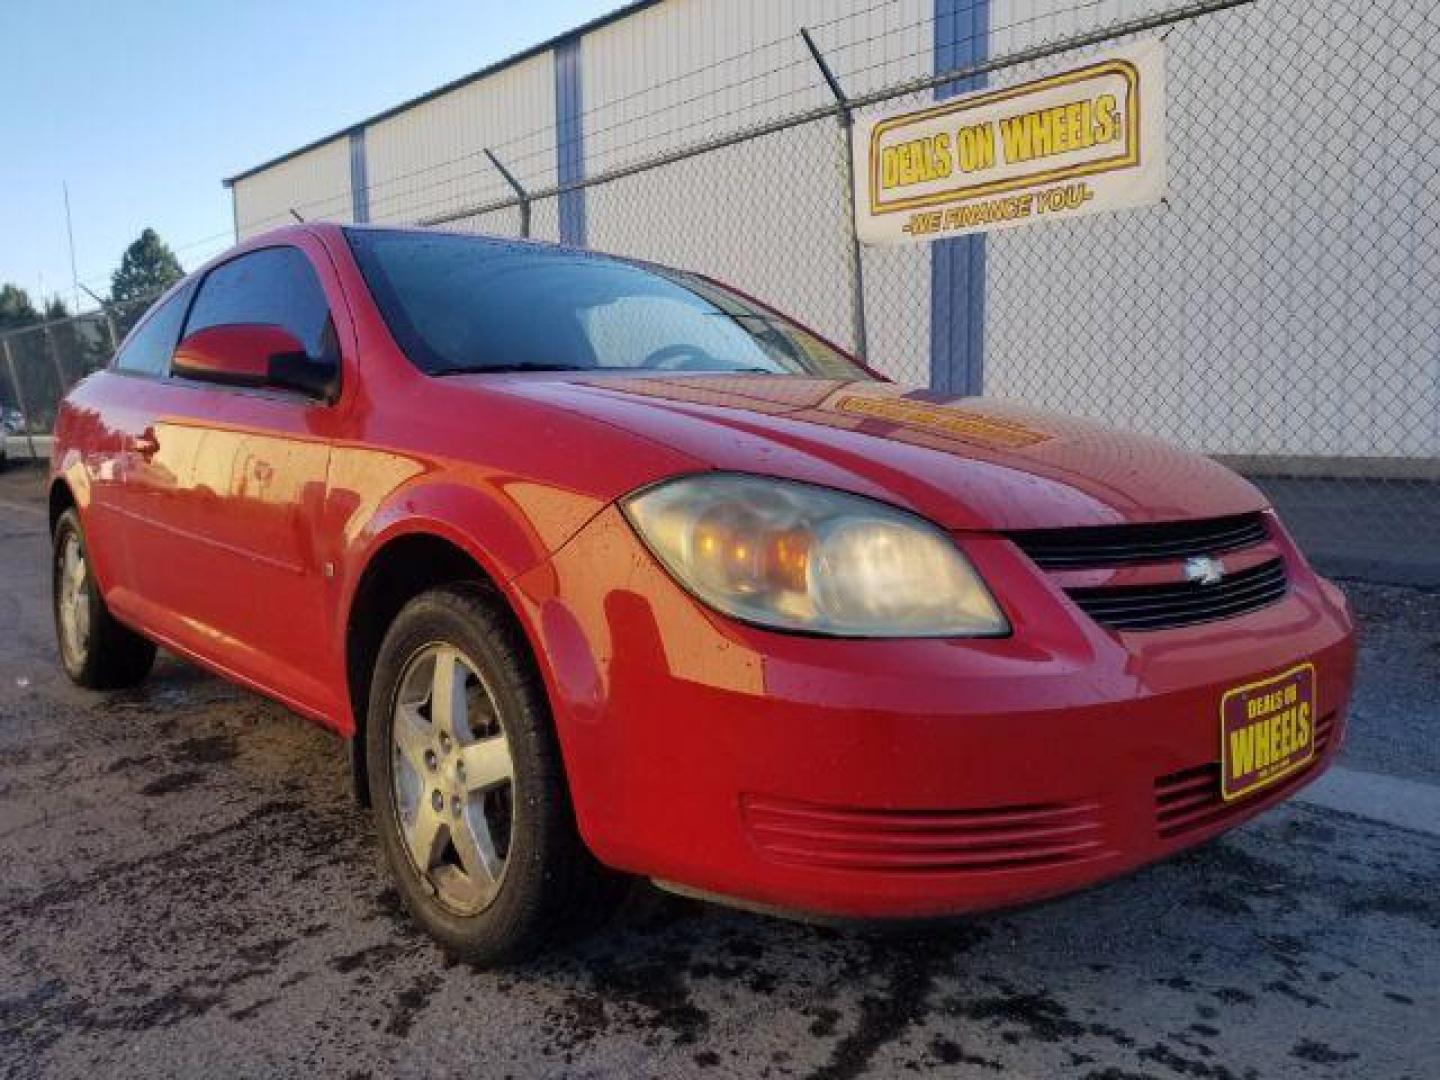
[[238, 565]]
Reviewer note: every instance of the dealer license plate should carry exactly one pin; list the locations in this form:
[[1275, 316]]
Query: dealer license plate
[[1267, 731]]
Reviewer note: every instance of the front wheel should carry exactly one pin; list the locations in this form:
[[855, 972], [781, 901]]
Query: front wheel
[[96, 651], [468, 790]]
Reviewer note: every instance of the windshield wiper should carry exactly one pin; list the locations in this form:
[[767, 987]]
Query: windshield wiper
[[500, 369]]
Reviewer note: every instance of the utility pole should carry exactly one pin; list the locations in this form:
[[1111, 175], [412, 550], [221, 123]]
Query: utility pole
[[70, 237]]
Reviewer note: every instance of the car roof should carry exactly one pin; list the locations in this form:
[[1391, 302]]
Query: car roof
[[335, 232]]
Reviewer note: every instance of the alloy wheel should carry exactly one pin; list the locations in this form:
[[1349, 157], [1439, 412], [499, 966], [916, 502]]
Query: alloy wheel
[[74, 601], [453, 778]]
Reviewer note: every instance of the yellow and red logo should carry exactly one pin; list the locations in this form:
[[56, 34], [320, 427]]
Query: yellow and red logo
[[1267, 730]]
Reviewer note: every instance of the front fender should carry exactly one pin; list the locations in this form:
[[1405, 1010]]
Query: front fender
[[501, 532]]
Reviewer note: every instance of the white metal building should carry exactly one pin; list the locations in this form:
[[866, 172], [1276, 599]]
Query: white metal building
[[1282, 304]]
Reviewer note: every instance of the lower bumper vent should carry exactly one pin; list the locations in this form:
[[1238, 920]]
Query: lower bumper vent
[[1190, 800], [924, 841]]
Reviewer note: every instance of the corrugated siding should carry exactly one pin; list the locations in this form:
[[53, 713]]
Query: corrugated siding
[[429, 160], [1023, 24], [316, 184]]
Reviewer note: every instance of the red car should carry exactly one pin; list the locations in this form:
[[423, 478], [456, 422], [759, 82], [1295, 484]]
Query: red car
[[605, 569]]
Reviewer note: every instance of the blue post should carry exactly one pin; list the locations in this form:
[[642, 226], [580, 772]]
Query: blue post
[[957, 265], [359, 178], [570, 139]]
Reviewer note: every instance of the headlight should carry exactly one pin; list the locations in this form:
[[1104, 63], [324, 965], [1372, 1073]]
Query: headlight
[[806, 558]]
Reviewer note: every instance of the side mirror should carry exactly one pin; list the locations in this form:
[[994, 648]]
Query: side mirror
[[316, 378], [253, 354]]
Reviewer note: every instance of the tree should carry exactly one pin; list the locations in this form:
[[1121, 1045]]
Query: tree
[[16, 310], [55, 309], [147, 268]]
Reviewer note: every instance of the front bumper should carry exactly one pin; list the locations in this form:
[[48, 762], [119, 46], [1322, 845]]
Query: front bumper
[[901, 778]]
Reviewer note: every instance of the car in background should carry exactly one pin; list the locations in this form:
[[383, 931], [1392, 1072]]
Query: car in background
[[12, 422], [607, 569]]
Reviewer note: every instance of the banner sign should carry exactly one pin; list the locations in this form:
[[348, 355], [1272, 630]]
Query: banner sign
[[1081, 141]]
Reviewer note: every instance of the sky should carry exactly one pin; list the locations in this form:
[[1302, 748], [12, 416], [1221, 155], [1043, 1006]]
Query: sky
[[144, 107]]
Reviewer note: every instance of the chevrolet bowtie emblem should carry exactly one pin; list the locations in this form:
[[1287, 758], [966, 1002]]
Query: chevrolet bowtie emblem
[[1203, 570]]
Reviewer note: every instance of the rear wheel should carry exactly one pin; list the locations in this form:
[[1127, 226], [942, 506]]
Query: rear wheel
[[467, 786], [96, 651]]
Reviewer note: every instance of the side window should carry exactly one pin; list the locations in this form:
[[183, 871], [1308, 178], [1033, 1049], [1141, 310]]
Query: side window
[[150, 345], [275, 286]]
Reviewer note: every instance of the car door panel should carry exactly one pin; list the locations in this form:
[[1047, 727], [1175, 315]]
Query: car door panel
[[237, 488], [232, 505]]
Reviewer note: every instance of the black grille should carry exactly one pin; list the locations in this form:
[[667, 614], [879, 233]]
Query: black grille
[[1160, 607], [1122, 545]]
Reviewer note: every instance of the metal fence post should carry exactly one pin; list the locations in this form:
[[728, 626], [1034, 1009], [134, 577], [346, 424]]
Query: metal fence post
[[110, 333], [60, 377], [19, 396], [857, 265], [520, 192]]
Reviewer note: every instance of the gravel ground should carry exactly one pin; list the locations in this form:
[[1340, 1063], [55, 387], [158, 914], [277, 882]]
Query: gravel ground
[[188, 889]]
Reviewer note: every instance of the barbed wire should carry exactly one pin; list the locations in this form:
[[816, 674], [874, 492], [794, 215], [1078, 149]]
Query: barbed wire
[[417, 204], [380, 200]]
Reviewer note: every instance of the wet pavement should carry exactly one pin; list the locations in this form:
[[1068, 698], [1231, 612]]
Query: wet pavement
[[186, 888]]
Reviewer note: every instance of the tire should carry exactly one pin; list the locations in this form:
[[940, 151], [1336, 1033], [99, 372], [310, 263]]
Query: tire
[[96, 651], [488, 860]]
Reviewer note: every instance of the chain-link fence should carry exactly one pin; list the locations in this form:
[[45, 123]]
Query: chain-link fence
[[40, 363], [1280, 310]]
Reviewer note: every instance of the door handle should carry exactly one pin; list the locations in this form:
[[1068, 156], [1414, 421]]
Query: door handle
[[147, 444]]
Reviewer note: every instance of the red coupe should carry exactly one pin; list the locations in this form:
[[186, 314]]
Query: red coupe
[[606, 569]]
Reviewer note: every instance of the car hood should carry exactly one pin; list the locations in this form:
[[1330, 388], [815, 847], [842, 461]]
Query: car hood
[[965, 463]]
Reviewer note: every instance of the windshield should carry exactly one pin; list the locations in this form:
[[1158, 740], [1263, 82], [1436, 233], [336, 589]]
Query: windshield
[[464, 304]]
